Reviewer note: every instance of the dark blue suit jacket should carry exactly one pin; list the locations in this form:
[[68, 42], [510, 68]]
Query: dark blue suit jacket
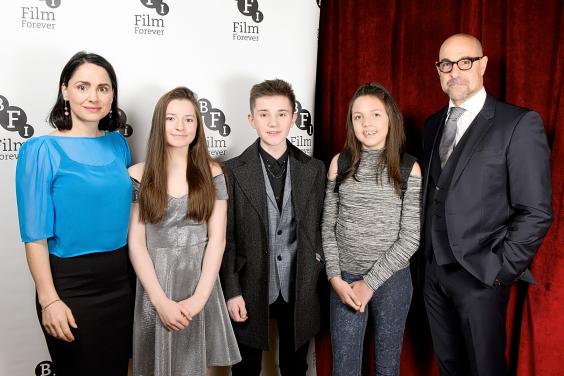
[[498, 207]]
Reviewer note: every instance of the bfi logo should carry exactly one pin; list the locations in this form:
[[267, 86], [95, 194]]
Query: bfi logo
[[52, 3], [144, 24], [125, 129], [34, 18], [243, 31], [249, 8], [45, 368], [303, 123], [214, 120], [158, 5], [303, 119], [14, 119]]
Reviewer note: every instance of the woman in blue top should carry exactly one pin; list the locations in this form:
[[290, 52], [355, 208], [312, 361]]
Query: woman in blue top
[[74, 194]]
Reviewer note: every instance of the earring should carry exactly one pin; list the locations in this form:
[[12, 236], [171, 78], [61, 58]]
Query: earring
[[66, 109], [110, 114]]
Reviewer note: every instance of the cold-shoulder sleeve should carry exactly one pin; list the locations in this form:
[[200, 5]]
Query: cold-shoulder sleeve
[[35, 171], [220, 187]]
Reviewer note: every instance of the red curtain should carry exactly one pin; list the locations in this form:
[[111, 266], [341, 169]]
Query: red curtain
[[396, 43]]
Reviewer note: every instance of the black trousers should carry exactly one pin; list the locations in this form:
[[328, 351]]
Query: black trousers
[[467, 320], [99, 290], [291, 362]]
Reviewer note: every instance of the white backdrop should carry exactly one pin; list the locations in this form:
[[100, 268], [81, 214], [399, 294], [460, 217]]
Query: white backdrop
[[217, 48]]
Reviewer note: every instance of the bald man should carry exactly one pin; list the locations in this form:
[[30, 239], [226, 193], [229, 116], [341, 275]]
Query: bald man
[[487, 195]]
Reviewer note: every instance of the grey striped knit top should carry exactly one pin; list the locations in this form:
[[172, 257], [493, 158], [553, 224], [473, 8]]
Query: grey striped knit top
[[364, 229]]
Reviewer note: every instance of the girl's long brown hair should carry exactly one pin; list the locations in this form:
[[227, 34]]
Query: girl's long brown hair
[[395, 140], [153, 193]]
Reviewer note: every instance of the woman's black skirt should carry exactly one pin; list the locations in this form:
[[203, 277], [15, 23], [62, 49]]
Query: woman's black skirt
[[99, 290]]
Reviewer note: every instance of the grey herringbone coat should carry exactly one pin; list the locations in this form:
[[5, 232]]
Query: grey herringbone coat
[[245, 267]]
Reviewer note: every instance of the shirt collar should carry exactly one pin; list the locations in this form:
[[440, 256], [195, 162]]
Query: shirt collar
[[473, 104], [270, 159]]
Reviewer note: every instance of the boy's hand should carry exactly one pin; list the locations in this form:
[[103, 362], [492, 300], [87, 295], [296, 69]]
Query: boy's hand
[[345, 293], [237, 309]]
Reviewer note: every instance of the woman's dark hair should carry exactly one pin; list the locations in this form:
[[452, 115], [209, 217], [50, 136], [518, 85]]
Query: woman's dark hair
[[153, 197], [57, 116], [395, 140]]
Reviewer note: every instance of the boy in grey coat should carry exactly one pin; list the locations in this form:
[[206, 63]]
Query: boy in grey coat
[[273, 255]]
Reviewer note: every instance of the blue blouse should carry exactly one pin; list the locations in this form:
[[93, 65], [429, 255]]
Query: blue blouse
[[75, 192]]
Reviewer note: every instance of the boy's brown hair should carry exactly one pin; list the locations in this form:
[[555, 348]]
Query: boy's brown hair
[[270, 88]]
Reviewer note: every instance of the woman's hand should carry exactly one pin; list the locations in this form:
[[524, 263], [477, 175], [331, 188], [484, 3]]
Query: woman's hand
[[172, 314], [57, 319], [345, 293], [56, 316]]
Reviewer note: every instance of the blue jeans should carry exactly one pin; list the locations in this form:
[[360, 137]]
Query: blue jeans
[[387, 310]]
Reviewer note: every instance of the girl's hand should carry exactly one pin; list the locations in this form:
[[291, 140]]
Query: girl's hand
[[363, 291], [193, 305], [345, 293], [172, 314]]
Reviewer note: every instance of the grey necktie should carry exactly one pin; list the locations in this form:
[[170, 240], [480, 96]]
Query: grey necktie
[[449, 134]]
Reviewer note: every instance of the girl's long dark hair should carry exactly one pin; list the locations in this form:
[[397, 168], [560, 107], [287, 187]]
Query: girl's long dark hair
[[153, 192], [395, 140]]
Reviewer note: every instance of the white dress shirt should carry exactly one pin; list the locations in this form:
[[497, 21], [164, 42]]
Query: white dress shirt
[[472, 107]]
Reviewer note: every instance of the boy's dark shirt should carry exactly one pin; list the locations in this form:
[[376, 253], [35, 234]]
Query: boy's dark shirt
[[276, 171]]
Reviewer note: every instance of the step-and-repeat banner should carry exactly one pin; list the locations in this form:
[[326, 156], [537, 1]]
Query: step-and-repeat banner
[[217, 48]]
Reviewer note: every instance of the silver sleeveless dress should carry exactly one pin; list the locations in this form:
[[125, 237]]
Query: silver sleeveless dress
[[176, 246]]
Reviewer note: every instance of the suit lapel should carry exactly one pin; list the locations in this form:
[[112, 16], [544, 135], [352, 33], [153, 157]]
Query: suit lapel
[[475, 133], [250, 178], [303, 178], [287, 186], [268, 186], [434, 161]]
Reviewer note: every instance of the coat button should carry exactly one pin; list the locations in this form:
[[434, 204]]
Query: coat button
[[279, 258], [279, 232]]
